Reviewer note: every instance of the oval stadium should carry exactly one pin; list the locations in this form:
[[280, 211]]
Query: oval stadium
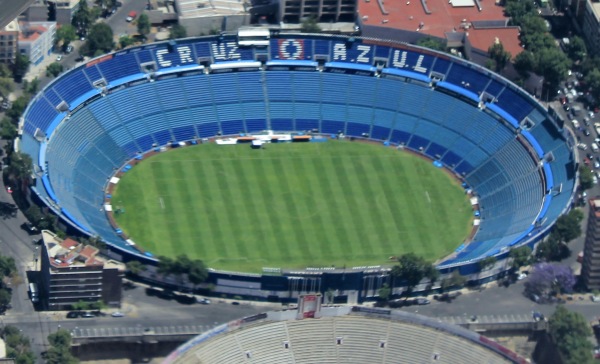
[[341, 335], [98, 120]]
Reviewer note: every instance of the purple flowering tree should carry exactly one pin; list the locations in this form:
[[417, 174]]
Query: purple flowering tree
[[550, 277]]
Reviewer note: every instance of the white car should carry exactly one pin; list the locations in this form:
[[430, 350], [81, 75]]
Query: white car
[[118, 314], [58, 58], [582, 146], [595, 180], [521, 276]]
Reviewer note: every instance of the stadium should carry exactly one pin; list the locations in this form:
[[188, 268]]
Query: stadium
[[341, 335], [513, 155]]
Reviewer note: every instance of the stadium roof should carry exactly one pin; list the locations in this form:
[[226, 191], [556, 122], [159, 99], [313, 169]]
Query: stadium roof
[[11, 9], [441, 17]]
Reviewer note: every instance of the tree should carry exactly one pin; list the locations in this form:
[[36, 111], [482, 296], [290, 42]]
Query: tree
[[143, 25], [100, 40], [455, 280], [17, 109], [411, 269], [60, 338], [8, 130], [136, 267], [486, 263], [54, 69], [520, 256], [19, 169], [31, 87], [500, 56], [18, 345], [548, 278], [586, 178], [552, 249], [524, 63], [80, 306], [65, 35], [553, 65], [5, 297], [60, 352], [310, 25], [432, 43], [570, 331], [384, 292], [577, 50], [165, 266], [60, 355], [177, 31], [197, 272], [125, 41], [5, 72], [568, 226], [8, 267], [7, 86], [82, 18], [21, 66], [592, 79]]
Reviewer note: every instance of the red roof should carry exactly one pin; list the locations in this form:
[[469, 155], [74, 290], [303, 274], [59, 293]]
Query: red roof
[[68, 243], [443, 18]]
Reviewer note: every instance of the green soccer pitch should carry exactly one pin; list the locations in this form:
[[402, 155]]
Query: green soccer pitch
[[292, 205]]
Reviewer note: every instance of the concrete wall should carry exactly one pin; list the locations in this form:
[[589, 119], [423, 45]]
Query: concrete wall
[[206, 25]]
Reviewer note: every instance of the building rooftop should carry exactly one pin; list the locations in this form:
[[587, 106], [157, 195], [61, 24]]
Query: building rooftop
[[483, 25], [206, 8], [68, 253], [595, 6]]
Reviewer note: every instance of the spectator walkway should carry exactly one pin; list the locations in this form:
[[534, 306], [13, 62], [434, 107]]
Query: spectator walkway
[[488, 319]]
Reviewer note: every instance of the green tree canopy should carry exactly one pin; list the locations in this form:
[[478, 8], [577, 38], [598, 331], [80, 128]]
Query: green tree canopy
[[499, 55], [8, 130], [524, 63], [487, 262], [136, 267], [65, 35], [568, 226], [60, 338], [384, 292], [143, 25], [310, 25], [54, 69], [411, 269], [577, 50], [586, 177], [552, 249], [177, 31], [99, 41], [592, 79], [125, 41], [21, 66], [197, 272], [521, 256], [7, 86], [432, 43], [570, 331], [60, 355], [17, 108], [553, 65], [82, 18]]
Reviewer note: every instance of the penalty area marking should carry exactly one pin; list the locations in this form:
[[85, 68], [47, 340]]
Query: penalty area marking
[[161, 202], [427, 195]]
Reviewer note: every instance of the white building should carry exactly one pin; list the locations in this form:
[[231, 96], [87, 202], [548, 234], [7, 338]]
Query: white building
[[36, 40], [591, 26]]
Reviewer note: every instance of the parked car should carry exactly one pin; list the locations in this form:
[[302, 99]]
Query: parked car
[[59, 58], [73, 314], [117, 314], [88, 314], [31, 230], [204, 301], [422, 301]]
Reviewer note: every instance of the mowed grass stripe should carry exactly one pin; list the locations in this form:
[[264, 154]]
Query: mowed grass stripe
[[351, 214], [255, 232], [335, 233], [292, 205]]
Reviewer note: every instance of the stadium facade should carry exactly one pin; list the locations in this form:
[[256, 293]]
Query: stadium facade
[[342, 335], [97, 119]]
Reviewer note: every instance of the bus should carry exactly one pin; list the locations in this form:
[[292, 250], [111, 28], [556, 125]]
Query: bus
[[33, 292]]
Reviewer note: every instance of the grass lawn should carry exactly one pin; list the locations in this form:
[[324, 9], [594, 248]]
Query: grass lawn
[[292, 205]]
